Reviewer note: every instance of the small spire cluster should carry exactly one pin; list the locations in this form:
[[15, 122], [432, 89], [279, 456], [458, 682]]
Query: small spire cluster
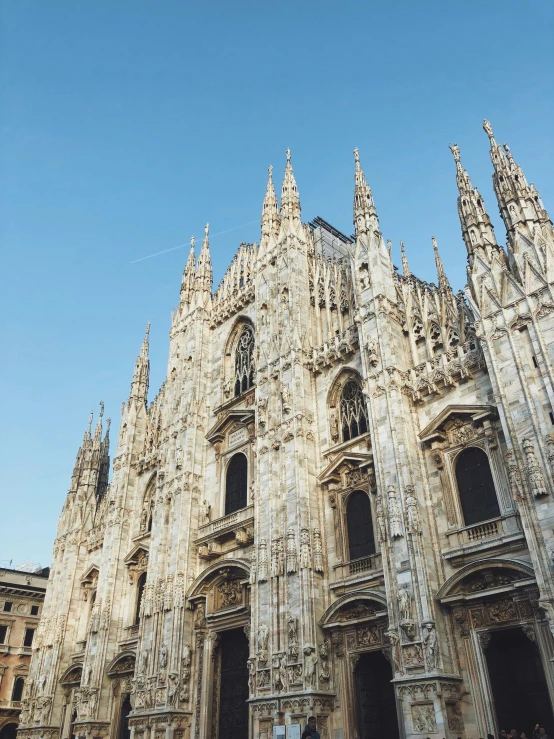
[[92, 463]]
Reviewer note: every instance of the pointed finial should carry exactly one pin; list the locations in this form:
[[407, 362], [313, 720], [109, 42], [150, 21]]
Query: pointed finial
[[147, 333], [206, 230], [405, 266], [89, 425], [488, 129], [288, 156], [356, 156], [270, 171], [435, 245], [101, 409], [443, 280], [108, 424], [192, 242], [389, 247], [455, 151], [509, 153]]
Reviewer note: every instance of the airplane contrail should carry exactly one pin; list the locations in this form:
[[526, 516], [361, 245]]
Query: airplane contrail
[[212, 236]]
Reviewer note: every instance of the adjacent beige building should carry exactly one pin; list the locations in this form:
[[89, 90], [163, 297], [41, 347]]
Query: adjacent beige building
[[340, 502], [21, 601]]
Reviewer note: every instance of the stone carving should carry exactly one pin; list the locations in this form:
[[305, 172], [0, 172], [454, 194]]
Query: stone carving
[[334, 422], [529, 631], [318, 550], [230, 593], [204, 512], [162, 657], [310, 662], [430, 644], [262, 561], [200, 616], [404, 603], [454, 716], [292, 637], [412, 514], [305, 553], [292, 558], [393, 651], [143, 662], [461, 432], [172, 689], [263, 679], [179, 457], [423, 719], [394, 513], [277, 557], [412, 655], [168, 595], [460, 616], [324, 673], [285, 398], [263, 638], [484, 639], [253, 567], [534, 472], [514, 476], [381, 525], [502, 610], [369, 635]]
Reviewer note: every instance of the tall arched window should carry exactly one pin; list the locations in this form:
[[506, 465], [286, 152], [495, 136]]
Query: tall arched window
[[17, 692], [244, 362], [353, 412], [361, 540], [140, 591], [476, 487], [236, 487]]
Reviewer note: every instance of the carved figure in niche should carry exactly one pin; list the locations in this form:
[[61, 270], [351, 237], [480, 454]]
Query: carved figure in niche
[[394, 648], [324, 674], [276, 560], [394, 513], [252, 676], [87, 675], [413, 655], [502, 610], [253, 567], [172, 690], [292, 558], [263, 637], [462, 432], [381, 525], [430, 644], [200, 616], [263, 678], [310, 662], [404, 603], [369, 636], [514, 477], [424, 719], [412, 513], [334, 425], [285, 398], [187, 656], [92, 701], [534, 472], [144, 516], [318, 551], [305, 555], [143, 662], [230, 593], [292, 637], [204, 513], [178, 457], [42, 684], [162, 656], [262, 561]]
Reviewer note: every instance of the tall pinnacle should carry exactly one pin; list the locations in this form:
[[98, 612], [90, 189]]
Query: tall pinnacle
[[141, 375], [477, 229], [290, 200], [204, 266], [405, 266], [189, 274], [443, 280], [270, 209], [365, 215], [98, 429], [520, 204]]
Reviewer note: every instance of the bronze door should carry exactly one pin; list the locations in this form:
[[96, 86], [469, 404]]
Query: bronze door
[[377, 717]]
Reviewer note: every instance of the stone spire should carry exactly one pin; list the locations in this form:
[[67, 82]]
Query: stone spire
[[189, 274], [141, 375], [477, 229], [290, 200], [443, 280], [270, 210], [405, 265], [520, 204], [98, 429], [365, 215], [204, 267]]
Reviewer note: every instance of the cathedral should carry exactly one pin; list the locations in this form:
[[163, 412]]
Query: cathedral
[[339, 503]]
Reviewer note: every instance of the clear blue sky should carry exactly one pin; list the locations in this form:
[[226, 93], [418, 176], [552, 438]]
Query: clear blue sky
[[127, 125]]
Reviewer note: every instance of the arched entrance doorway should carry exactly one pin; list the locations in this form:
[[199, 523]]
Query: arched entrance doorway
[[517, 681], [375, 698], [9, 731], [232, 676]]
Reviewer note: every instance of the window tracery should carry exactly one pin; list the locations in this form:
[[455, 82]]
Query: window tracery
[[244, 362], [353, 411]]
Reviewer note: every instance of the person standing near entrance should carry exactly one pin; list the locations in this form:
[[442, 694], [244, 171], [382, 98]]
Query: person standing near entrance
[[311, 728]]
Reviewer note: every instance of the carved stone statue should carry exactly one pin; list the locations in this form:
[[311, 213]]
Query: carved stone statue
[[310, 662], [204, 513], [252, 676], [187, 656], [305, 554], [143, 662], [292, 637], [285, 398], [318, 551], [534, 471], [262, 561], [404, 603], [430, 644], [412, 513], [263, 637], [292, 557], [163, 657]]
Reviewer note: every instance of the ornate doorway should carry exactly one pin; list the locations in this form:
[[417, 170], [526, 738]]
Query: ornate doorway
[[517, 681], [233, 686], [375, 698]]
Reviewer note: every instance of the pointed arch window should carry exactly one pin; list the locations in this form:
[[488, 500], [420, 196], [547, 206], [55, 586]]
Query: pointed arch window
[[244, 362], [18, 686], [476, 487], [359, 523], [353, 411], [236, 484]]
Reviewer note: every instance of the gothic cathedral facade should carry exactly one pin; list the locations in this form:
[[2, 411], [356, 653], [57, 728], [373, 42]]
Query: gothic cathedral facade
[[339, 504]]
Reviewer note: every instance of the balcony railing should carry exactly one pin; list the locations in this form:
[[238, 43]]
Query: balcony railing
[[482, 531], [225, 522]]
